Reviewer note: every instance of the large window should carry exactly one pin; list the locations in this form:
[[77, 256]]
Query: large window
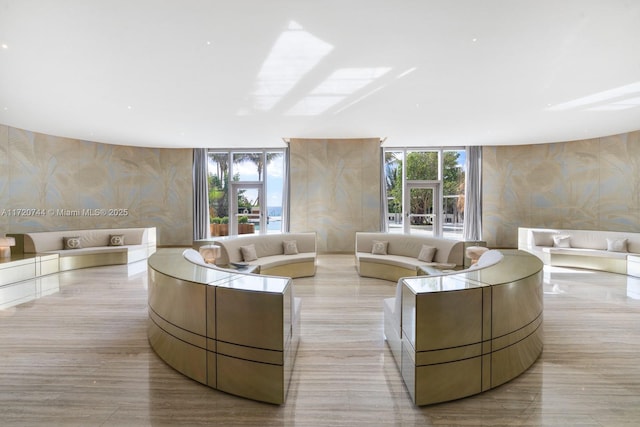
[[425, 191], [246, 190]]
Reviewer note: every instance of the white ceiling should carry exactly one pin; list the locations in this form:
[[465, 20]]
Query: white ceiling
[[248, 73]]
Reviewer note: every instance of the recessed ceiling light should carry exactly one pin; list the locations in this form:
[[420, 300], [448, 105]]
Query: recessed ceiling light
[[474, 39], [129, 107], [5, 46]]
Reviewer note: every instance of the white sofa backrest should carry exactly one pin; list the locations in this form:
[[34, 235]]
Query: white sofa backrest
[[582, 239], [447, 251], [266, 245], [53, 240]]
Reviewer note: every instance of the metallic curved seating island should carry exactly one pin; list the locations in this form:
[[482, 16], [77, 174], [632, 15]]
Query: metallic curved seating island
[[452, 336], [233, 332], [465, 333]]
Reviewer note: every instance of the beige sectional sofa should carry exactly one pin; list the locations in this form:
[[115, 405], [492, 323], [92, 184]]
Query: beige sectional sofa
[[402, 251], [591, 249], [270, 253], [95, 246]]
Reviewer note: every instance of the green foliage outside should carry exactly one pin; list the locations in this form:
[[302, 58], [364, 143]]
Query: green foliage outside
[[423, 166], [219, 182]]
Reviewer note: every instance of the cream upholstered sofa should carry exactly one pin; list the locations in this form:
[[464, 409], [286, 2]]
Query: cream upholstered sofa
[[270, 254], [591, 249], [95, 246], [402, 252]]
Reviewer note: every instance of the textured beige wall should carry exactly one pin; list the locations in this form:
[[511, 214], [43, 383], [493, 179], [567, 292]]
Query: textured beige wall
[[335, 189], [64, 177], [592, 184]]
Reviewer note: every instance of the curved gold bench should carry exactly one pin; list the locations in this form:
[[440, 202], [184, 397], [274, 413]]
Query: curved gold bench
[[468, 332], [234, 332]]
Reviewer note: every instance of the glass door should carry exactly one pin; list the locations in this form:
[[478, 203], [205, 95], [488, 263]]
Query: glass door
[[246, 213], [422, 208]]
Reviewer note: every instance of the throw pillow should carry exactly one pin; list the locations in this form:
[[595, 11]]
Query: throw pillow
[[426, 253], [116, 240], [71, 242], [290, 247], [543, 238], [560, 241], [617, 245], [249, 252], [379, 247]]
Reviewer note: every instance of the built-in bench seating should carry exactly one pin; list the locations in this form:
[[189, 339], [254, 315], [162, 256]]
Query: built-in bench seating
[[287, 254], [89, 248], [390, 256], [591, 249]]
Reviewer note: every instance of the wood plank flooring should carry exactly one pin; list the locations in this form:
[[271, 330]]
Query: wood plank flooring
[[80, 357]]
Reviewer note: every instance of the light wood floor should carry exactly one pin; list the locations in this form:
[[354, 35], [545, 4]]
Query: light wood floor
[[80, 357]]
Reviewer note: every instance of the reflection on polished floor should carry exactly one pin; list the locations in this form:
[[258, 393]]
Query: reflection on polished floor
[[80, 357]]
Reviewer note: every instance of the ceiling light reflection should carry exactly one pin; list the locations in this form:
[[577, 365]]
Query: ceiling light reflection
[[406, 72], [294, 54], [340, 84], [600, 97]]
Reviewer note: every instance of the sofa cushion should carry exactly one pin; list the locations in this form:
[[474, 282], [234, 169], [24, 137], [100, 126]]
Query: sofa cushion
[[290, 247], [543, 238], [586, 252], [561, 241], [116, 240], [379, 247], [426, 253], [249, 252], [278, 260], [71, 242], [617, 245], [96, 250], [395, 260]]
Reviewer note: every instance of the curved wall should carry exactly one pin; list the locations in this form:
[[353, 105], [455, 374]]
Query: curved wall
[[593, 184], [68, 180], [588, 184]]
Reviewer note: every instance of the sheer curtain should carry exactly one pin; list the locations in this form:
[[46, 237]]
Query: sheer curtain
[[383, 192], [473, 195], [200, 195], [287, 190]]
